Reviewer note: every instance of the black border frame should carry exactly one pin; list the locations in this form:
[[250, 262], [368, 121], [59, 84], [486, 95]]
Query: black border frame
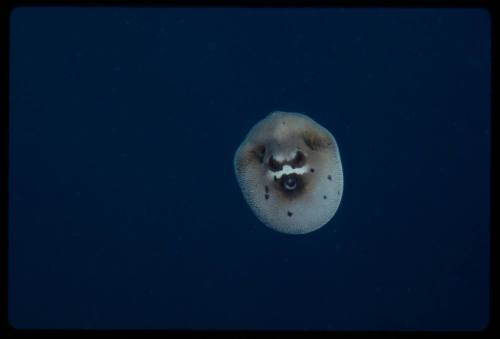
[[6, 330]]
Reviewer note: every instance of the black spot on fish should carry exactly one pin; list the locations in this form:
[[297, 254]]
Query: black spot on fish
[[324, 197], [312, 170], [290, 213], [259, 152], [266, 196], [330, 177]]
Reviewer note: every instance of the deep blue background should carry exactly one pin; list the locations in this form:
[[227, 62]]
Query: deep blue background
[[124, 211]]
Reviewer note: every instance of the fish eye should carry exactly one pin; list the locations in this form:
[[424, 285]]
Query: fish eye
[[274, 165], [299, 160]]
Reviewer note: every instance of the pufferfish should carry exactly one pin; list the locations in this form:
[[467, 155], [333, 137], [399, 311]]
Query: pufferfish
[[290, 173]]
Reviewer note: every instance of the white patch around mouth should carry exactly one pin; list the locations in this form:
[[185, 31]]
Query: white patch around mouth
[[287, 169]]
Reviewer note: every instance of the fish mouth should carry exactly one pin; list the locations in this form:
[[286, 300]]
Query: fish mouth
[[289, 182], [291, 185]]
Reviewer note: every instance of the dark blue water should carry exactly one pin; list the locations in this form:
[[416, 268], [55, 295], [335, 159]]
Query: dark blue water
[[124, 211]]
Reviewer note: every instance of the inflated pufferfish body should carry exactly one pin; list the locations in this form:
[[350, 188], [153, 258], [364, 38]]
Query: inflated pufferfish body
[[290, 173]]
